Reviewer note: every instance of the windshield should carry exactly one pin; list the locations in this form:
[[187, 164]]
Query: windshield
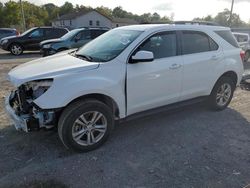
[[70, 34], [29, 30], [109, 45]]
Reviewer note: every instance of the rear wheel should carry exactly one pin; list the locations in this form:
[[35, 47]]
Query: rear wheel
[[222, 93], [16, 49], [247, 55], [85, 125]]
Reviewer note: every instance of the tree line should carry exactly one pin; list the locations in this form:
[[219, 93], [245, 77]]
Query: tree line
[[10, 15]]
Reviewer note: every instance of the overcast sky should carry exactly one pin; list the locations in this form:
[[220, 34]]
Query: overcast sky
[[181, 9]]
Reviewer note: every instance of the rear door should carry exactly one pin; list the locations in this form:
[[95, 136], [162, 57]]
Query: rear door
[[200, 55], [96, 33]]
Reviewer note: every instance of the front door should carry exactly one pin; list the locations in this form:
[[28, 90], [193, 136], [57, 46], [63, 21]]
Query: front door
[[34, 38], [82, 38], [157, 83]]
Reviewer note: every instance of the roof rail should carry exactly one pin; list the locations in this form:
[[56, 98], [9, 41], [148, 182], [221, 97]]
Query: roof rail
[[94, 27], [196, 23]]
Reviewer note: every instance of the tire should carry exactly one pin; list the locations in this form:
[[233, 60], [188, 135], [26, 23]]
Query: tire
[[76, 130], [219, 99], [247, 54], [16, 49]]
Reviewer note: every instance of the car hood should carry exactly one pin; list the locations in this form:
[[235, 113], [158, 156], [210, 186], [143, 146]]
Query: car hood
[[10, 37], [49, 67], [51, 41]]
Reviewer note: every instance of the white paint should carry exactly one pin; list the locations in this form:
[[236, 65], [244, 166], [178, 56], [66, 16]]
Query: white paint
[[149, 85]]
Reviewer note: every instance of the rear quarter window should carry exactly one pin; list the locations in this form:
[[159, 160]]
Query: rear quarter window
[[228, 36]]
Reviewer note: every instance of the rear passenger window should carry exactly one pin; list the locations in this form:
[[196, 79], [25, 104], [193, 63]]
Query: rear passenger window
[[162, 45], [96, 33]]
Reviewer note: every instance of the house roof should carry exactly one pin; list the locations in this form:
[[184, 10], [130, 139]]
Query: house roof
[[124, 20], [74, 15]]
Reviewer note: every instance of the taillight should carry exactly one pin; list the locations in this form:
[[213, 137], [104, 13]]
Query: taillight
[[242, 55], [17, 33]]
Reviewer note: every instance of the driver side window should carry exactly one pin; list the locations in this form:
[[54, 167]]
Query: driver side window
[[83, 35], [162, 45], [37, 33]]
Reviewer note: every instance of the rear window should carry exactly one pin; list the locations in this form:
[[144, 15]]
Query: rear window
[[228, 36], [241, 38]]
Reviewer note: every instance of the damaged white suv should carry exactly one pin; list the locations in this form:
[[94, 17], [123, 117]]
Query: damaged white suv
[[126, 71]]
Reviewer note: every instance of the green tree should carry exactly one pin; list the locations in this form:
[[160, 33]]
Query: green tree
[[223, 19], [105, 11], [11, 12], [53, 12], [66, 8]]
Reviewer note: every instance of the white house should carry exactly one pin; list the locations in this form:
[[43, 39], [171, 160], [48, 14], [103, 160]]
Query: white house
[[90, 18]]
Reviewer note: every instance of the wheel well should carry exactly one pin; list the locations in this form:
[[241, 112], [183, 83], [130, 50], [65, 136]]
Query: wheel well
[[232, 75], [103, 98]]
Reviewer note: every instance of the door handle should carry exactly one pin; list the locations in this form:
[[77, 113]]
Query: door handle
[[175, 66], [215, 57]]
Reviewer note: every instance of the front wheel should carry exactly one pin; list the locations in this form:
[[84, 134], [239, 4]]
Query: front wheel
[[16, 49], [221, 94], [85, 125]]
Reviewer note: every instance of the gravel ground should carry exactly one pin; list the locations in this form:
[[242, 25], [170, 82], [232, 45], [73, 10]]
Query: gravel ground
[[190, 147]]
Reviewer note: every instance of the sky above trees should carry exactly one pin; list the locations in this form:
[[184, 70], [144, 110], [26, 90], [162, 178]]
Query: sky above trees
[[179, 9]]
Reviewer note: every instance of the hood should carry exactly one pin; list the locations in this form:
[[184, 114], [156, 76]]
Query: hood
[[10, 37], [49, 67], [51, 41]]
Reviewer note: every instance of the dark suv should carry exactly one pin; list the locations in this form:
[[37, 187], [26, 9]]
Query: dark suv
[[30, 39], [74, 39]]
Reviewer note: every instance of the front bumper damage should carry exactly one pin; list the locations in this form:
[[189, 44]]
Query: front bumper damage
[[25, 115]]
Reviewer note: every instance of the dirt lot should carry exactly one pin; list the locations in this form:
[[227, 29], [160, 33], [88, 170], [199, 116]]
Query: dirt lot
[[191, 147]]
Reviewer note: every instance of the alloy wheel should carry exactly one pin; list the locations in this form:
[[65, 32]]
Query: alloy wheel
[[223, 94], [89, 128]]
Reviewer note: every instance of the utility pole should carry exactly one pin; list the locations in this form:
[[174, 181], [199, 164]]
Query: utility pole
[[22, 12], [231, 14]]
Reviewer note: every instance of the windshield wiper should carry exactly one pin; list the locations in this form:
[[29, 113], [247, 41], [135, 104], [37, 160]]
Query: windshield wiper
[[84, 57]]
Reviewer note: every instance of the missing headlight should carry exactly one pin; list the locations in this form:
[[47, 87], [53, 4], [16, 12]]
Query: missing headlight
[[38, 87]]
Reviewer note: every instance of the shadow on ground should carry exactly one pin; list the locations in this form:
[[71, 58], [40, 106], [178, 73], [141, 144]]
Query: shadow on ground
[[8, 56], [190, 147]]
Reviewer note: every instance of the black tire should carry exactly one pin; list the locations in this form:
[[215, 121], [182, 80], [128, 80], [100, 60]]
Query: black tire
[[16, 49], [213, 102], [247, 55], [67, 123]]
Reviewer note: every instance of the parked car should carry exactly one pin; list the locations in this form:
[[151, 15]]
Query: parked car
[[244, 43], [7, 32], [30, 39], [126, 72], [74, 39]]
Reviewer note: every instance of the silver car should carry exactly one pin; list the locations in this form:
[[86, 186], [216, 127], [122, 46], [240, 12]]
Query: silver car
[[244, 42]]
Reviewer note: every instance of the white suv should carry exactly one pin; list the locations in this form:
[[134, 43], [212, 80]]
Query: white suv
[[126, 71]]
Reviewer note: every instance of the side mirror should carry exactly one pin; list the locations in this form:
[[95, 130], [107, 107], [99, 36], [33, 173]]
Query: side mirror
[[142, 56]]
